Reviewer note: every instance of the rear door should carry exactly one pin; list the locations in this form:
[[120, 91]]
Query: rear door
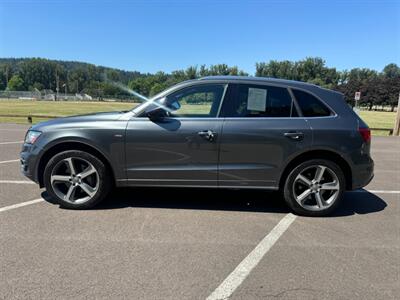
[[261, 131]]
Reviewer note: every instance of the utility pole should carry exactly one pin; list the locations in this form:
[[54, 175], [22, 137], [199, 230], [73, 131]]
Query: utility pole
[[7, 74], [396, 129], [57, 84]]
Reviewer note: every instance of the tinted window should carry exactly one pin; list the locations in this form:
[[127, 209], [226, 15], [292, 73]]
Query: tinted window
[[198, 101], [310, 106], [259, 101]]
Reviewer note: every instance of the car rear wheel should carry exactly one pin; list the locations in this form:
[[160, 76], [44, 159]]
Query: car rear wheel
[[76, 179], [314, 188]]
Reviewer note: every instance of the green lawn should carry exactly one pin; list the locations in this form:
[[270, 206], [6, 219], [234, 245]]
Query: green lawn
[[375, 119], [53, 108], [379, 119], [23, 108]]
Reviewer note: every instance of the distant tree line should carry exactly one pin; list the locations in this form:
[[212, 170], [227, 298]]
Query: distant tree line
[[377, 88]]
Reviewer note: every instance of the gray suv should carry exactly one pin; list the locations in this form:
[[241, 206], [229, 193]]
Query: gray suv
[[213, 132]]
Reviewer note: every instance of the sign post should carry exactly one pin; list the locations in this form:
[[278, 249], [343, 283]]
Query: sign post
[[357, 97], [396, 129]]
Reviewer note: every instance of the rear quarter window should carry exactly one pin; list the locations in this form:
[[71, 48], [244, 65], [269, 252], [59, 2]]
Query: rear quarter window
[[310, 105]]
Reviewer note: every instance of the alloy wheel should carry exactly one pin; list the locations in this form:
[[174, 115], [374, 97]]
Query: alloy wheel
[[316, 188], [75, 180]]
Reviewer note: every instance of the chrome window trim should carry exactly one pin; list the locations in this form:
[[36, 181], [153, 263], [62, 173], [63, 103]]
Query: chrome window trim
[[132, 115], [244, 118], [278, 118]]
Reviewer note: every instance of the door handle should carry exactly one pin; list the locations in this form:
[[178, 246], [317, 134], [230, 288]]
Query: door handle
[[297, 136], [209, 135]]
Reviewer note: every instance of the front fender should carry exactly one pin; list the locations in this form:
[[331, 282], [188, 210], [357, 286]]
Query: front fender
[[109, 144]]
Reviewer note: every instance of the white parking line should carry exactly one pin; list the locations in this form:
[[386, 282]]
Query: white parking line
[[376, 191], [17, 181], [233, 281], [8, 161], [5, 208], [8, 143], [12, 129]]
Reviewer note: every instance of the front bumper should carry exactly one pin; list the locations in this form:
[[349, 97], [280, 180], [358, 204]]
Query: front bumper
[[29, 161]]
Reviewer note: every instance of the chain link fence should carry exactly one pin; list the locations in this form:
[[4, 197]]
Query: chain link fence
[[48, 95]]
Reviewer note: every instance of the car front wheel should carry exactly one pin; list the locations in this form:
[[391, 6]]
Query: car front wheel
[[76, 179], [314, 188]]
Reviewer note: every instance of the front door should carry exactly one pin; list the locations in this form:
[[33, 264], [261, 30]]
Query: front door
[[261, 132], [180, 149]]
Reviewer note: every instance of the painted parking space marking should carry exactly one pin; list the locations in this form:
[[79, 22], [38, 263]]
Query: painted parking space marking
[[8, 161], [376, 191], [234, 279], [18, 181], [12, 129], [9, 143], [14, 206]]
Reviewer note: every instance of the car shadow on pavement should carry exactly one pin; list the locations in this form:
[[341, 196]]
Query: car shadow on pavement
[[192, 198], [359, 203], [227, 200]]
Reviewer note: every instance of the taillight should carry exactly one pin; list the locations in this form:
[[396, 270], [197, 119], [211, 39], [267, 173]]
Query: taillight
[[365, 133]]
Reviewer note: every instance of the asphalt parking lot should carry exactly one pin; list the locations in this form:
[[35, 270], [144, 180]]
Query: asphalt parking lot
[[194, 244]]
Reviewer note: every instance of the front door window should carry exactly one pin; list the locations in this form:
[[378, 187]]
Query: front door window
[[197, 101]]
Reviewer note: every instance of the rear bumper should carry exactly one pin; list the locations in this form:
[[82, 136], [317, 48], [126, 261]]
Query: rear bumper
[[363, 174]]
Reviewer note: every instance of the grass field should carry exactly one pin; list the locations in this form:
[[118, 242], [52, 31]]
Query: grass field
[[8, 108], [379, 119]]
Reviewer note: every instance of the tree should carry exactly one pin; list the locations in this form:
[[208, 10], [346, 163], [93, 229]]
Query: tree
[[311, 69], [391, 71], [3, 82], [43, 71], [36, 86], [392, 88], [78, 79], [377, 88], [16, 84], [191, 72], [157, 88], [363, 74]]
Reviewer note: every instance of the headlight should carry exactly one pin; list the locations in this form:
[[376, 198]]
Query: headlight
[[32, 136]]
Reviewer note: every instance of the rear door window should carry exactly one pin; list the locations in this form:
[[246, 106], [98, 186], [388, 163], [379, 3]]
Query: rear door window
[[310, 105], [259, 101]]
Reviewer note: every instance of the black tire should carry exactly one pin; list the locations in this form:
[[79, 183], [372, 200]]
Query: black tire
[[104, 179], [289, 188]]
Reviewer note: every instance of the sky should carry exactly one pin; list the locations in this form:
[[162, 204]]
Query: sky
[[149, 36]]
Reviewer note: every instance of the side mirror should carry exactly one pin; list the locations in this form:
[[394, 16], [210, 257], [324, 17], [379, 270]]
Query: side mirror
[[175, 105], [156, 113], [170, 105]]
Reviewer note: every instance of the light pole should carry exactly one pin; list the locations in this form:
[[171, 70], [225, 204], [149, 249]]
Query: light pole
[[65, 90]]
